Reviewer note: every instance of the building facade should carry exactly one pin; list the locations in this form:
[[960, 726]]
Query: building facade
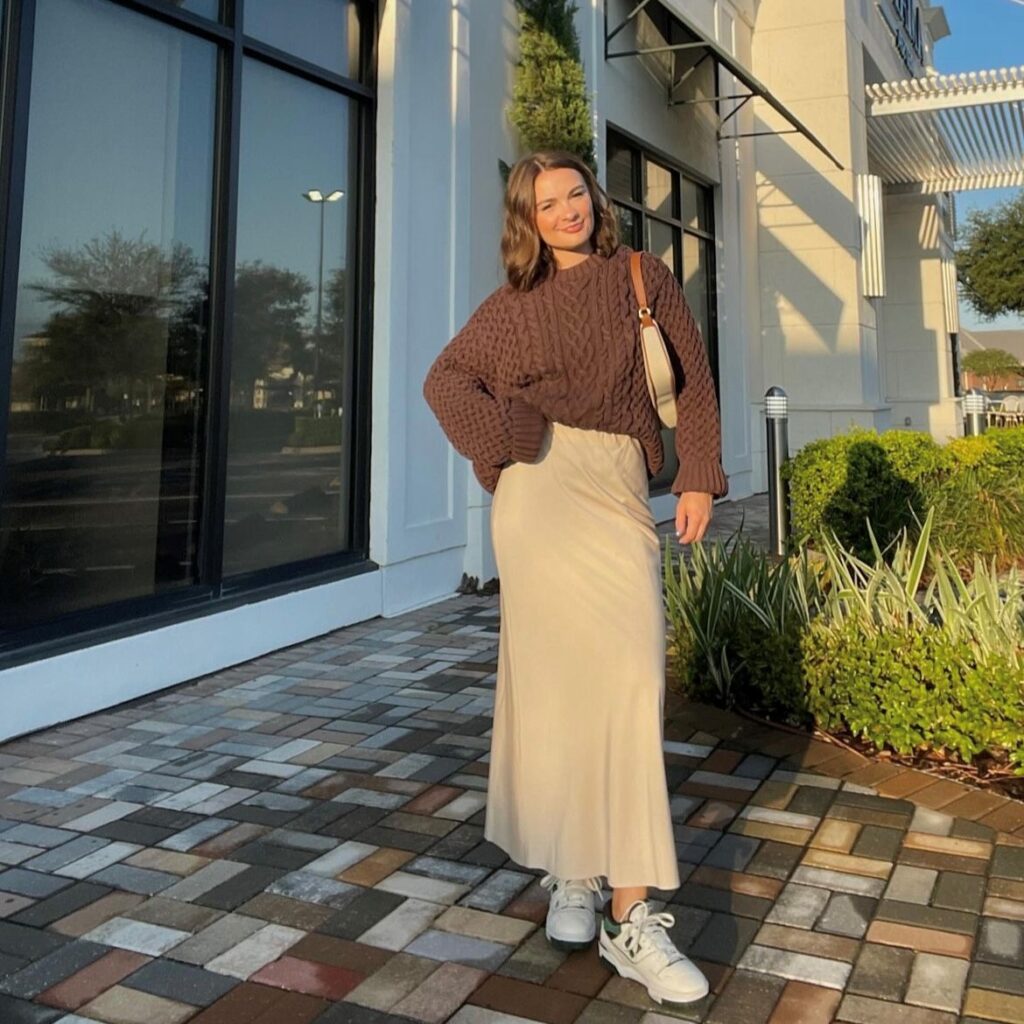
[[236, 235]]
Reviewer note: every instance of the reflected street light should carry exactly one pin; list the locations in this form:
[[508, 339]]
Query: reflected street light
[[314, 195]]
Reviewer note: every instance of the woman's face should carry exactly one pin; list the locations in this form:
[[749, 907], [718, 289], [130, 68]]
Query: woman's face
[[564, 214]]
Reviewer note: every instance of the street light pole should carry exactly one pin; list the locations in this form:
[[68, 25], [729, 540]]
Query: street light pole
[[314, 195]]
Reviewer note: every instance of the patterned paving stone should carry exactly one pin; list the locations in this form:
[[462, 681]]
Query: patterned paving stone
[[399, 977], [747, 997], [861, 1010], [847, 915], [937, 982], [799, 906], [217, 938], [18, 1011], [119, 1005], [450, 947], [254, 952], [805, 1004], [813, 970], [301, 839], [180, 982], [88, 983], [959, 892]]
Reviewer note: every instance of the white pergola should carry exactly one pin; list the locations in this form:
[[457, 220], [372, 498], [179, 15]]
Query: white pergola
[[948, 133]]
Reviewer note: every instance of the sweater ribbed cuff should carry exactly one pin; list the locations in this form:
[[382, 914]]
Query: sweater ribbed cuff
[[703, 477], [528, 425]]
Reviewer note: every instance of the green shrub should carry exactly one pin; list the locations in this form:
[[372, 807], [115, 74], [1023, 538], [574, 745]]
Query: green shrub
[[914, 688], [46, 421], [903, 650], [311, 433], [100, 434], [259, 430], [736, 619], [838, 484], [145, 432], [841, 484]]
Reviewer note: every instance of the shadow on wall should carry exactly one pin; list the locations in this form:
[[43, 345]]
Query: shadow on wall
[[797, 287]]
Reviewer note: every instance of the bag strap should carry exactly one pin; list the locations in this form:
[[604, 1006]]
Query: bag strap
[[639, 291]]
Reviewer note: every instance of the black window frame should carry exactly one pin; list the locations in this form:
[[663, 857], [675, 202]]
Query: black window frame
[[213, 593], [641, 150], [642, 153]]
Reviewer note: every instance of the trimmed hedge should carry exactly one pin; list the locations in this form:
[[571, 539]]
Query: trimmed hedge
[[914, 688], [141, 433], [869, 648], [838, 485], [313, 432]]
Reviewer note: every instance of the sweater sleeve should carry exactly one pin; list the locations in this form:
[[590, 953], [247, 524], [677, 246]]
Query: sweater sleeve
[[698, 438], [459, 390]]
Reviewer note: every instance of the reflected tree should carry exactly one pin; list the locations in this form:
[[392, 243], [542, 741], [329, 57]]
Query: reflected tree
[[271, 305], [332, 345], [122, 307]]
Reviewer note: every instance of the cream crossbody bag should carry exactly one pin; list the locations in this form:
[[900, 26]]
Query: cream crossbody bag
[[661, 378]]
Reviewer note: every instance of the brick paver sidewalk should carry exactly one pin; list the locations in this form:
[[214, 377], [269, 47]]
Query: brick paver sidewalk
[[300, 839]]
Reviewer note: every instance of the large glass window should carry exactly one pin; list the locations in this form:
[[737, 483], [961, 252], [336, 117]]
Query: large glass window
[[289, 424], [324, 32], [205, 8], [670, 215], [104, 443], [181, 310]]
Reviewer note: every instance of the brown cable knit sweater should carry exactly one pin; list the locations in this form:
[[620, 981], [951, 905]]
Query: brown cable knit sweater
[[569, 350]]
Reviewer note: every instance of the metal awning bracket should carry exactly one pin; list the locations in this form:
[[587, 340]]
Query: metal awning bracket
[[744, 96], [754, 135], [722, 59], [683, 77], [609, 36], [735, 110]]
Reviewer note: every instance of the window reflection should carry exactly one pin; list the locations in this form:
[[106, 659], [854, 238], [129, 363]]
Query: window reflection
[[102, 486], [620, 176], [204, 8], [659, 194], [324, 32], [289, 437], [694, 206], [695, 279], [663, 241], [628, 226]]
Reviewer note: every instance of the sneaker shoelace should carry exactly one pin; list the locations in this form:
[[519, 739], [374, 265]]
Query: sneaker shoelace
[[650, 928], [571, 893]]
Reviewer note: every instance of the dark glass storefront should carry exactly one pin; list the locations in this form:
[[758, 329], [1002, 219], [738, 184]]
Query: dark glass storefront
[[662, 210], [184, 306]]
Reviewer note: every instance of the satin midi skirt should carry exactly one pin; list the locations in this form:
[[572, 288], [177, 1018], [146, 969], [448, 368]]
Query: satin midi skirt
[[577, 775]]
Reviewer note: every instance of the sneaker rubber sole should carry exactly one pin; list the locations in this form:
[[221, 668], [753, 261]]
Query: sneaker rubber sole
[[611, 956], [563, 946], [570, 945]]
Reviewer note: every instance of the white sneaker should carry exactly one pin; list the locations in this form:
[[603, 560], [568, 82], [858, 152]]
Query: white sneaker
[[642, 951], [571, 922]]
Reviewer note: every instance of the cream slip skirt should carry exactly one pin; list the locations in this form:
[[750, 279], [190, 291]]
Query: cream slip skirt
[[577, 775]]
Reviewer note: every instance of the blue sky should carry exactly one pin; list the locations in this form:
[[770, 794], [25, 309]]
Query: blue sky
[[986, 34]]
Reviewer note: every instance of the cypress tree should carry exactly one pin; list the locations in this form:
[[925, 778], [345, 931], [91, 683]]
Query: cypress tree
[[549, 101]]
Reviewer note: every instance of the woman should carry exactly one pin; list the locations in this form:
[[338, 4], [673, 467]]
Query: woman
[[544, 390]]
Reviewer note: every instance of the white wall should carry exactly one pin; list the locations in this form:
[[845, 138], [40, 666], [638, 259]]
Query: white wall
[[917, 350], [818, 332], [428, 214]]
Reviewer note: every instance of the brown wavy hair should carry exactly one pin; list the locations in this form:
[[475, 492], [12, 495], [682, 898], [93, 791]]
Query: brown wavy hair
[[527, 257]]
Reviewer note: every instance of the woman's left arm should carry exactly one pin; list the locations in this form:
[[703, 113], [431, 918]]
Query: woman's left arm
[[698, 439]]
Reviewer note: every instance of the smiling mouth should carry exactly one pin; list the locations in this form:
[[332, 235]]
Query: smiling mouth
[[573, 228]]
